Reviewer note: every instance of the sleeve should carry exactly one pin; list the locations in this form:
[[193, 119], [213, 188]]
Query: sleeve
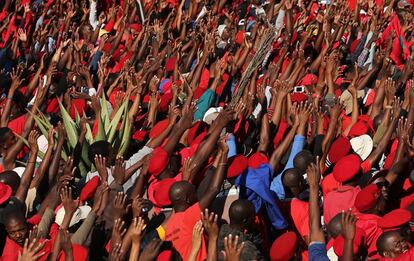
[[279, 20], [231, 143], [366, 166], [206, 100], [95, 60], [298, 144], [80, 236], [45, 223], [317, 252], [277, 186], [92, 16]]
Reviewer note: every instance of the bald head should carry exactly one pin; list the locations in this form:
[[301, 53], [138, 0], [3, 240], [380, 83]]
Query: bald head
[[182, 192], [335, 226], [242, 213], [10, 178], [292, 182], [302, 161]]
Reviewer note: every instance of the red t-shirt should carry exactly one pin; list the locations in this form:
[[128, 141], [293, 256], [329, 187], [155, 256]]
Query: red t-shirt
[[341, 199], [179, 230], [369, 223], [299, 211], [12, 250]]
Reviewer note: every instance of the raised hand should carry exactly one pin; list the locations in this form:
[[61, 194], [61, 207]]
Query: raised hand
[[100, 164], [116, 253], [197, 238], [69, 204], [33, 136], [31, 250], [151, 251], [119, 205], [136, 230], [313, 174], [118, 171], [210, 223], [305, 110], [348, 222], [232, 248], [118, 231]]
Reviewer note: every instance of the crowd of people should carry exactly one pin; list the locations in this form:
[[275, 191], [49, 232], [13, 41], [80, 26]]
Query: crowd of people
[[128, 131]]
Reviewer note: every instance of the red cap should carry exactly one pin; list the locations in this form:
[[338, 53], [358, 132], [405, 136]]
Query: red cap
[[347, 168], [158, 161], [358, 129], [89, 189], [5, 192], [394, 219], [339, 149], [158, 128], [298, 97], [257, 159], [339, 243], [309, 79], [237, 165], [284, 247], [367, 197], [170, 64], [160, 192]]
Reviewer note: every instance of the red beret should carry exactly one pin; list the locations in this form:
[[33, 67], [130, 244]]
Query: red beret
[[358, 129], [347, 167], [339, 149], [170, 64], [367, 197], [158, 161], [394, 219], [160, 196], [284, 247], [89, 189], [5, 192], [339, 243], [158, 128], [309, 79], [237, 165], [257, 159], [298, 97]]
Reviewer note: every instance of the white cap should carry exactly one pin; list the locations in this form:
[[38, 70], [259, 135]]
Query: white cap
[[211, 114], [81, 213], [362, 145], [220, 29]]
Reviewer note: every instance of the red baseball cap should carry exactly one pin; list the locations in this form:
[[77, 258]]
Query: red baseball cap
[[160, 192], [158, 128], [347, 168], [367, 197]]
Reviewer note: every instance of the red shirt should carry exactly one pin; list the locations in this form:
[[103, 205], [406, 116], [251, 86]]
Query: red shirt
[[12, 250], [179, 230], [299, 211], [369, 223], [341, 199]]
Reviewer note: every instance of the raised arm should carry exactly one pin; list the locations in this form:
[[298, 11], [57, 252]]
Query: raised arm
[[27, 176]]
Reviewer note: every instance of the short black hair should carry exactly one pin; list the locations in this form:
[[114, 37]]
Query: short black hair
[[382, 242], [101, 147]]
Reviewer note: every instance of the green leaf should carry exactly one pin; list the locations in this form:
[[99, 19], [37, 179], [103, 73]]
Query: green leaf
[[70, 127], [115, 121]]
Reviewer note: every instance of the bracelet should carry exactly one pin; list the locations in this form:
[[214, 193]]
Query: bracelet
[[222, 164]]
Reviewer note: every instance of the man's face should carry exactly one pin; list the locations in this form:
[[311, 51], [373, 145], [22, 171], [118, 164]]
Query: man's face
[[396, 245], [10, 140], [17, 231]]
